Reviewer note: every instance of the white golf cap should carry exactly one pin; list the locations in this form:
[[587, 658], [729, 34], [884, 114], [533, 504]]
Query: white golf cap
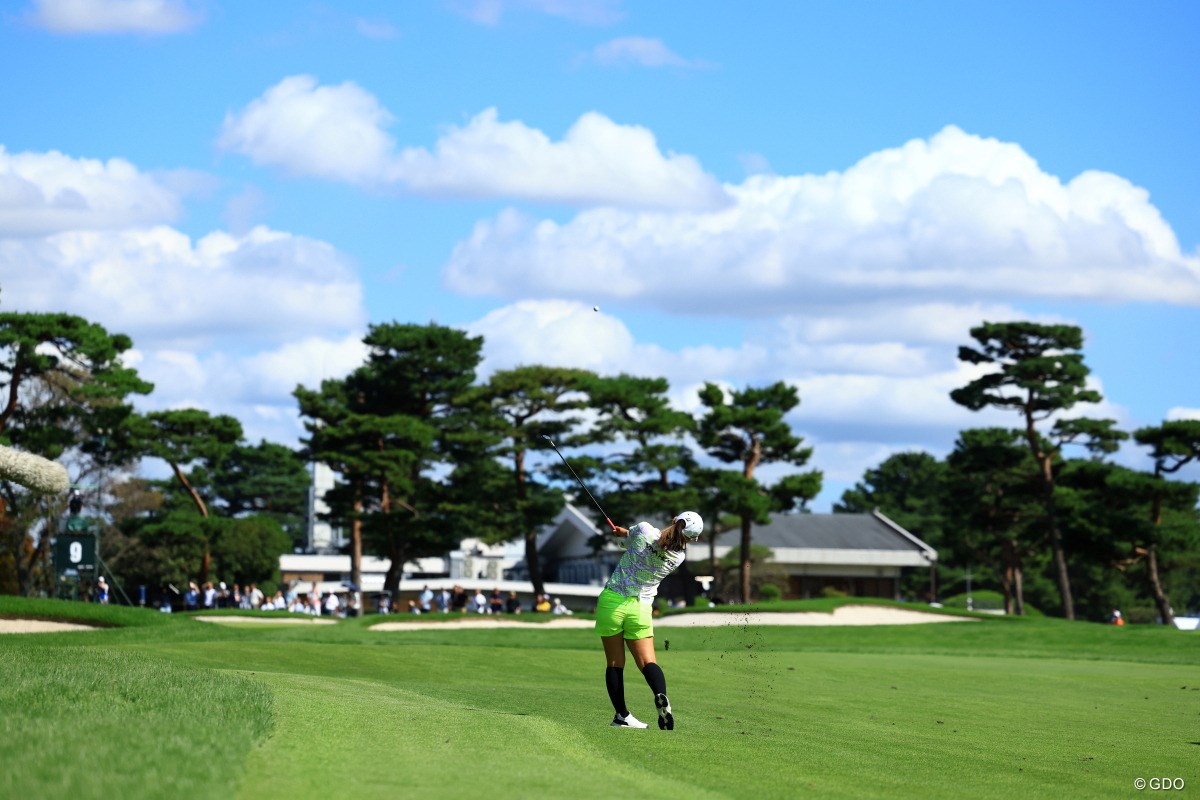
[[693, 525]]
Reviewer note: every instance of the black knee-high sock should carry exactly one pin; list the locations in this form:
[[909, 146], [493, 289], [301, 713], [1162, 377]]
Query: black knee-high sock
[[654, 676], [614, 679]]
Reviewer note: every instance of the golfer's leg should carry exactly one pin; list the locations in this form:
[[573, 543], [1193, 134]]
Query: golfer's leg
[[643, 656], [614, 672]]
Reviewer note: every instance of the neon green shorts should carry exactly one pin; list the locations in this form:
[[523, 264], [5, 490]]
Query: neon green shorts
[[615, 614]]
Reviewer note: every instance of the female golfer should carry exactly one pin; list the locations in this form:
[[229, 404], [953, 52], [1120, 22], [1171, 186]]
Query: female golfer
[[624, 610]]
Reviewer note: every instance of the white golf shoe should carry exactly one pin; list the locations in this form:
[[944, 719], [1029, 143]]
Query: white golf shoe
[[627, 721]]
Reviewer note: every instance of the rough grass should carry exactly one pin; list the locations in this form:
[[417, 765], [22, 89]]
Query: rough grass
[[996, 709]]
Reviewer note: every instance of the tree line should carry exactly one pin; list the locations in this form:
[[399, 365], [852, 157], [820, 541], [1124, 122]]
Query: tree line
[[426, 454], [1040, 510]]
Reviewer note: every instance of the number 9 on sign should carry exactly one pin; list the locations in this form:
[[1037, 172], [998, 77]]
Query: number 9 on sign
[[75, 552]]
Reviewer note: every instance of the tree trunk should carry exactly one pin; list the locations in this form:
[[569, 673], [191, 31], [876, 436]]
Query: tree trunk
[[532, 562], [1061, 577], [745, 555], [1060, 569], [356, 545], [1152, 576], [1160, 597], [753, 457], [1046, 462], [712, 553], [1018, 582], [206, 561], [1006, 582]]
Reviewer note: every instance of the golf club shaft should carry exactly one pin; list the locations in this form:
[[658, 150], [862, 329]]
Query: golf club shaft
[[577, 478]]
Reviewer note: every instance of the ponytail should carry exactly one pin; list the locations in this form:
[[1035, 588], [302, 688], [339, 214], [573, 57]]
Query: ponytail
[[673, 539]]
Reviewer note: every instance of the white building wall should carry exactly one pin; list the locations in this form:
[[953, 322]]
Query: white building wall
[[321, 535]]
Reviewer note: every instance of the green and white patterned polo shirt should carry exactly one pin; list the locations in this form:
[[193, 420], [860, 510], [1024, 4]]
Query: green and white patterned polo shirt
[[642, 567]]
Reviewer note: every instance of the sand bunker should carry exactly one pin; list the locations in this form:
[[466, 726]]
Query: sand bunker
[[270, 620], [846, 615], [482, 622], [41, 626]]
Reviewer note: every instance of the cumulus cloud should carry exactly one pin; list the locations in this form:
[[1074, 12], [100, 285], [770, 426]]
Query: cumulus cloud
[[255, 387], [861, 400], [115, 16], [157, 283], [333, 132], [951, 218], [340, 133], [1180, 413], [227, 323], [42, 193], [889, 382], [642, 51]]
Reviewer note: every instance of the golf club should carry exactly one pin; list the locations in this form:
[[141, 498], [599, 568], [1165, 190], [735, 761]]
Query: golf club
[[589, 494]]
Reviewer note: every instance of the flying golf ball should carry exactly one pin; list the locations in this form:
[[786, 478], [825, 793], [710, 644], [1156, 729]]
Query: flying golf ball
[[595, 308]]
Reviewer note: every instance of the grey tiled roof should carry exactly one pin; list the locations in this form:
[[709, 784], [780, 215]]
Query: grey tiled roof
[[825, 531]]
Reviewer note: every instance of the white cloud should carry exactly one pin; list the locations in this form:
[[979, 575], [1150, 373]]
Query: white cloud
[[43, 193], [333, 132], [862, 399], [887, 383], [587, 12], [229, 322], [641, 51], [597, 162], [256, 387], [953, 218], [559, 333], [157, 285], [1180, 413], [115, 16], [339, 133]]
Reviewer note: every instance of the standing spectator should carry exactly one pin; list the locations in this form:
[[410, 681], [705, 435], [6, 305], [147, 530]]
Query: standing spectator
[[479, 603], [332, 604], [235, 600], [384, 603], [222, 595], [426, 599], [101, 590], [458, 600], [513, 604], [210, 596], [496, 602], [256, 596], [314, 603], [443, 600], [191, 598]]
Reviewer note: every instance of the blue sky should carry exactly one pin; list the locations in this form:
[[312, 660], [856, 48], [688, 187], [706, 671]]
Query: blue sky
[[826, 193]]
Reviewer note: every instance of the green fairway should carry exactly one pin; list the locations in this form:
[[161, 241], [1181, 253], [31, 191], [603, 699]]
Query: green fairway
[[168, 706]]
